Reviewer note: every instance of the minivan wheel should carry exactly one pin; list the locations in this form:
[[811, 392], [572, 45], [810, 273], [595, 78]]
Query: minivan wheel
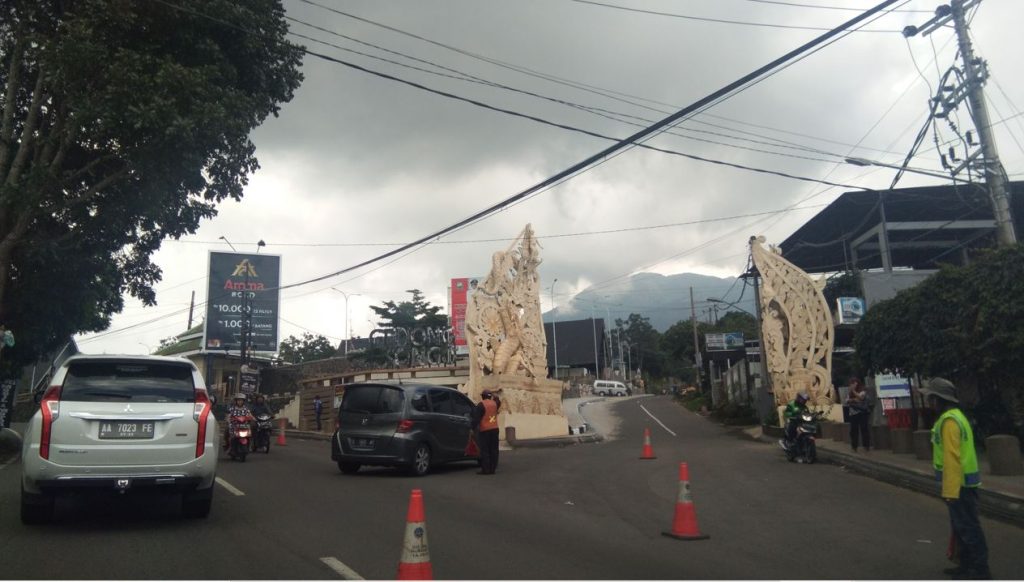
[[421, 460], [36, 508], [348, 468]]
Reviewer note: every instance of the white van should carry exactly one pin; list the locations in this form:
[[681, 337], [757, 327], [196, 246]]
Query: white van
[[609, 388]]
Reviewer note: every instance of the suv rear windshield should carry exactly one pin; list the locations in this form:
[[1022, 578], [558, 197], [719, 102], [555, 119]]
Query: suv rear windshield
[[371, 400], [124, 381]]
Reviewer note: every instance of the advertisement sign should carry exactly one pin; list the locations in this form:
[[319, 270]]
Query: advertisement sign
[[891, 386], [242, 289], [851, 309], [719, 342], [460, 291]]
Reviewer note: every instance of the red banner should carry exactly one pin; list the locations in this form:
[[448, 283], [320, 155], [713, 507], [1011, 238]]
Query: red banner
[[460, 295]]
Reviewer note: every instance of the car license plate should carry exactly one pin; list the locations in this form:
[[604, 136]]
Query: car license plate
[[362, 443], [131, 429]]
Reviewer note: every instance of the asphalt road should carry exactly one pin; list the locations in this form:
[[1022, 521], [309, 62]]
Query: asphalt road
[[591, 511]]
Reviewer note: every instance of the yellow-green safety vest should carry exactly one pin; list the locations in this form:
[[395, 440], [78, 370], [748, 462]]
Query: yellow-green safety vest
[[968, 456]]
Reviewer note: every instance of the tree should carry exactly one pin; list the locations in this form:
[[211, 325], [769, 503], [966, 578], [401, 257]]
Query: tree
[[410, 314], [307, 349], [640, 338], [121, 124]]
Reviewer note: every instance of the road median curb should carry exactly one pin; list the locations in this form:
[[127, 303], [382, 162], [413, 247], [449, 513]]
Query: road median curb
[[307, 435], [559, 441]]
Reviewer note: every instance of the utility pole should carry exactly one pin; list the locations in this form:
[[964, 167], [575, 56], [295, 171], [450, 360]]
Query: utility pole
[[554, 325], [995, 176], [696, 345], [593, 323], [976, 73], [191, 309]]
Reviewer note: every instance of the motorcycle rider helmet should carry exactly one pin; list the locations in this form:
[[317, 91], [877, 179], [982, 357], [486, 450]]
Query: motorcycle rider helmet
[[239, 396], [802, 398]]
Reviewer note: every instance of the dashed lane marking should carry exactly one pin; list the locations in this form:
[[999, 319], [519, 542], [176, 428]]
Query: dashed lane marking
[[657, 421], [230, 487], [345, 572]]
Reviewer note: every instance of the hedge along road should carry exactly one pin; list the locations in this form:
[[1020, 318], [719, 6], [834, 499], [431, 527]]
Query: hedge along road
[[592, 511]]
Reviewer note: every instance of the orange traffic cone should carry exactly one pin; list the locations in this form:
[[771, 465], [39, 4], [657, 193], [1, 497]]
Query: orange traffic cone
[[648, 450], [415, 564], [684, 525], [280, 434]]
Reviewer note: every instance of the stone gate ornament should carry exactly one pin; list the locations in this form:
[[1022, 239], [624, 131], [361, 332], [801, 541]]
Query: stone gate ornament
[[797, 327], [507, 346]]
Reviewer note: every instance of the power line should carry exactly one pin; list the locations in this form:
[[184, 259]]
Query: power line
[[848, 8], [717, 20]]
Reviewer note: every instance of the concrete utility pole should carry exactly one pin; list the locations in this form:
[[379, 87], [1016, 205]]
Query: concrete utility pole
[[995, 175], [696, 344], [976, 73], [554, 325]]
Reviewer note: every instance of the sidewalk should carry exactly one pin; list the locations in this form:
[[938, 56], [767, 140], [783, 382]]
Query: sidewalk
[[1001, 497]]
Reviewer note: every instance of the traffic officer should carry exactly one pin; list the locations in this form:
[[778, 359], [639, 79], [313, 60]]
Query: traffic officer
[[956, 466], [485, 423]]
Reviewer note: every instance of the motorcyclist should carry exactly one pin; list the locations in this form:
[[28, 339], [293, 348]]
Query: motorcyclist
[[792, 415], [237, 408], [260, 407]]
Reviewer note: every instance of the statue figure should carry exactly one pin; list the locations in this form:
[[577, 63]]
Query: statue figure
[[797, 328]]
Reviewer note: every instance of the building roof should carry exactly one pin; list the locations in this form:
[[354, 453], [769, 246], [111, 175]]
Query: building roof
[[926, 226], [188, 341]]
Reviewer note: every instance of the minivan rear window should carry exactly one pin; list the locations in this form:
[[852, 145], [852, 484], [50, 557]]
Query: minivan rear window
[[128, 381], [371, 400]]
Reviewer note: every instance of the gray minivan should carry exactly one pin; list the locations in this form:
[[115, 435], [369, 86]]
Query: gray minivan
[[413, 426]]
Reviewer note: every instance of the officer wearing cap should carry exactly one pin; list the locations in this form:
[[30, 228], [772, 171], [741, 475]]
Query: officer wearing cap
[[956, 466], [485, 423]]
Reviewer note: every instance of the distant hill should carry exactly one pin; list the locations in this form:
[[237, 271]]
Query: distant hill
[[663, 299]]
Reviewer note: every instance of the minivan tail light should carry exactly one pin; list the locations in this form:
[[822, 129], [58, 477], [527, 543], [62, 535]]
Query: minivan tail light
[[404, 426], [201, 412], [50, 407]]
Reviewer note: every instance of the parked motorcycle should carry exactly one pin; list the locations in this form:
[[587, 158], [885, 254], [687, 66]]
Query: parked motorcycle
[[802, 449], [264, 428], [240, 435]]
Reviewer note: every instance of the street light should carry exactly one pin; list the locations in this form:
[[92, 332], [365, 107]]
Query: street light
[[347, 295], [865, 163], [554, 325], [260, 245], [225, 239], [727, 304]]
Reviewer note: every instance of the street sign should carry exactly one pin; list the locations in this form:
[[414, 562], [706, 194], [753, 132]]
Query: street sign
[[892, 386], [239, 282], [851, 309]]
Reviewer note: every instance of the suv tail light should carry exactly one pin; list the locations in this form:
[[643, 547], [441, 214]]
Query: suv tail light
[[50, 407], [404, 426], [200, 413]]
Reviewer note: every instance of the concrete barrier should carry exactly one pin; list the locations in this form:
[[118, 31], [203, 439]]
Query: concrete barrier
[[844, 432], [922, 442], [880, 438], [838, 434], [902, 440], [1004, 455]]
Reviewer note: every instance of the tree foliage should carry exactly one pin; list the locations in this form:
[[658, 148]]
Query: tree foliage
[[963, 323], [122, 123], [417, 312], [308, 348]]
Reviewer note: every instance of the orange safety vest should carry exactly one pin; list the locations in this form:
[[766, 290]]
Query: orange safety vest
[[490, 418]]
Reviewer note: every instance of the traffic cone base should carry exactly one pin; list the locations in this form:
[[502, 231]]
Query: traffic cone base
[[648, 452], [684, 524], [415, 564], [280, 434]]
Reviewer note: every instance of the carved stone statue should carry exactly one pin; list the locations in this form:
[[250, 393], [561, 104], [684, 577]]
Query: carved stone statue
[[507, 346], [797, 328]]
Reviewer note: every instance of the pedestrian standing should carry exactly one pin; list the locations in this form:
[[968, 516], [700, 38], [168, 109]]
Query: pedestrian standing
[[318, 410], [860, 415], [956, 466], [485, 423]]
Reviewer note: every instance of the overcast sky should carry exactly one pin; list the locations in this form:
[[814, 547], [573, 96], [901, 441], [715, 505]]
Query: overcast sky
[[356, 162]]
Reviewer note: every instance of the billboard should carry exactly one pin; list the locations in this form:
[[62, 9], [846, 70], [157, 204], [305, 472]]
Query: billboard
[[851, 309], [237, 282], [460, 291], [720, 342]]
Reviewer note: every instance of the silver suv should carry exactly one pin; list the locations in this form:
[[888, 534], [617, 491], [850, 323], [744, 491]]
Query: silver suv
[[121, 424]]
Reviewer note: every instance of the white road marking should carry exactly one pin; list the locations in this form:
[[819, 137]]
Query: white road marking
[[230, 487], [657, 421], [345, 572]]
